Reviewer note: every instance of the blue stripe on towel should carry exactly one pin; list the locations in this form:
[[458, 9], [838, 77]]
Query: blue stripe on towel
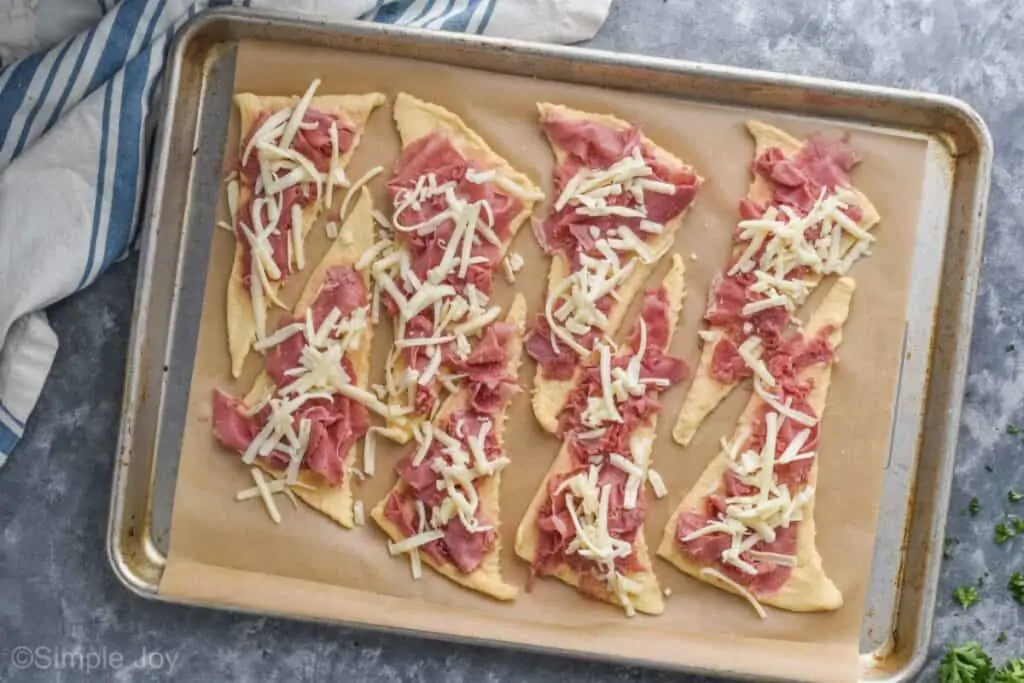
[[130, 134], [392, 11], [119, 41], [10, 416], [460, 22], [424, 11], [72, 79], [100, 182], [31, 119], [487, 16], [8, 440], [13, 93]]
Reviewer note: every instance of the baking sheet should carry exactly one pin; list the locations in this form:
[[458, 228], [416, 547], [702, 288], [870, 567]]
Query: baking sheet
[[228, 552]]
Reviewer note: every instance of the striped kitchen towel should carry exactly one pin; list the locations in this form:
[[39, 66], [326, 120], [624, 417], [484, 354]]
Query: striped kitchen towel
[[73, 141]]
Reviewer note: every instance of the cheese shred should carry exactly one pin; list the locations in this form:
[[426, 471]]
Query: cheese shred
[[413, 542], [735, 587], [363, 179], [266, 495], [370, 452]]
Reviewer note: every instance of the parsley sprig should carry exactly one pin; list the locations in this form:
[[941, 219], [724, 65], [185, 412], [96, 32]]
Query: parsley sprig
[[968, 663], [1016, 586]]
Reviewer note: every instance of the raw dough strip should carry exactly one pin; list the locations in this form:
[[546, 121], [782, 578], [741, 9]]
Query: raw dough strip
[[633, 253], [459, 313], [636, 591], [706, 390], [356, 237], [272, 145], [807, 588], [486, 578]]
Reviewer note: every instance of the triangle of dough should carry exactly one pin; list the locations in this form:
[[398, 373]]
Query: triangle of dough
[[808, 589], [649, 599], [355, 237], [416, 119], [353, 109], [486, 578], [706, 391], [550, 394]]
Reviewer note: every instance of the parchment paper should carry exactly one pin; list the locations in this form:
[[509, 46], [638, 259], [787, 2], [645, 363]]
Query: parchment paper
[[229, 553]]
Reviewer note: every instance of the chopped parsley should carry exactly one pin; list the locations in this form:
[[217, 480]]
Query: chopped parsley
[[974, 507], [966, 664], [1011, 672], [1012, 429], [1014, 497], [1002, 637], [948, 545], [1016, 586], [966, 596]]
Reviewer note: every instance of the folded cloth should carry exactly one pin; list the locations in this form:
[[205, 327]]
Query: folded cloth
[[73, 143]]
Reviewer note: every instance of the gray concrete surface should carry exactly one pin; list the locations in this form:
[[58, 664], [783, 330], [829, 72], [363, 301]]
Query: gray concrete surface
[[56, 590]]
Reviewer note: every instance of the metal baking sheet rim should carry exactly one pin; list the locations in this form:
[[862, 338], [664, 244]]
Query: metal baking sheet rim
[[136, 559]]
